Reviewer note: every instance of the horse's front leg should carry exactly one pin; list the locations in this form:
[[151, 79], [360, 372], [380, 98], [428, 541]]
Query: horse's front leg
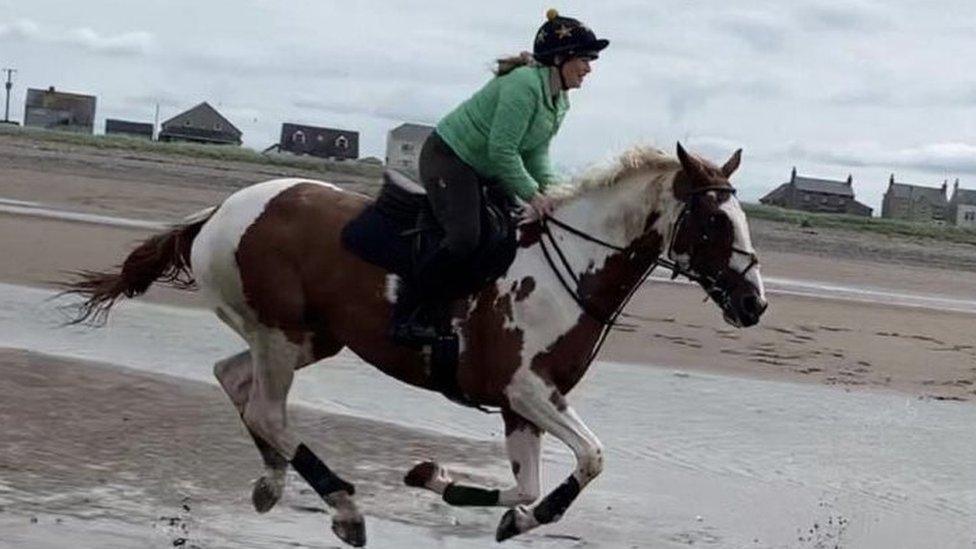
[[523, 442], [542, 404]]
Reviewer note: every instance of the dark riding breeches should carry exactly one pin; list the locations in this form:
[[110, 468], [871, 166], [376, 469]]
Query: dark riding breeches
[[454, 191]]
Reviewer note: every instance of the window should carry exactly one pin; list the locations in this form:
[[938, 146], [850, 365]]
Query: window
[[298, 137], [406, 163], [406, 147], [970, 216], [342, 142], [823, 199], [218, 126]]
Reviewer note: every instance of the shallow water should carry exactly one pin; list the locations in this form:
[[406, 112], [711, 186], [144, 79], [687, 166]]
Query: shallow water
[[691, 458]]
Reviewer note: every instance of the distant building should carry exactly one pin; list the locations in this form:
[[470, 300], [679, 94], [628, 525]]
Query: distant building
[[403, 145], [817, 195], [131, 129], [201, 124], [321, 142], [56, 110], [962, 207], [915, 202]]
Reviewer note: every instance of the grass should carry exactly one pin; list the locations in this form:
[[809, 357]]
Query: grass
[[228, 153], [888, 227]]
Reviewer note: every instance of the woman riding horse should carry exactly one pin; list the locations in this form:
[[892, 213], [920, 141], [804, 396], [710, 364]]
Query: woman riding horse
[[501, 134]]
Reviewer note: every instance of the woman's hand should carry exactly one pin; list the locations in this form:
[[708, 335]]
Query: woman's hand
[[539, 207]]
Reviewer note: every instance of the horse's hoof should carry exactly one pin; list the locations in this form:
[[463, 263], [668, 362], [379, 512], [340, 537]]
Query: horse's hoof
[[266, 494], [351, 531], [507, 527], [420, 475]]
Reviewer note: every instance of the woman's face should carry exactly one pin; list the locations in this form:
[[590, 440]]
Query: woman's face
[[574, 71]]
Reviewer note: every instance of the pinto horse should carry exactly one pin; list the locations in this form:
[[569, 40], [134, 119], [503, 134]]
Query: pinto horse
[[270, 264]]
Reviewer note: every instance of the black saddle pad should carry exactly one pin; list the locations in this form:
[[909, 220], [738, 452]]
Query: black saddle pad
[[399, 229]]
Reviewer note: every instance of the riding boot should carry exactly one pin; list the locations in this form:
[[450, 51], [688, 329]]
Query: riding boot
[[421, 315]]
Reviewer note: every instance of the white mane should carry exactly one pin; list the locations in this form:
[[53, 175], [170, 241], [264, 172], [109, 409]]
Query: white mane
[[636, 159]]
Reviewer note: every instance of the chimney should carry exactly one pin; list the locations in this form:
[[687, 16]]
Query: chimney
[[945, 185], [955, 186], [891, 180], [50, 89], [850, 179], [793, 175]]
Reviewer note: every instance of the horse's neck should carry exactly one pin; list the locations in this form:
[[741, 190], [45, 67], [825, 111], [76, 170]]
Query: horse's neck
[[618, 215]]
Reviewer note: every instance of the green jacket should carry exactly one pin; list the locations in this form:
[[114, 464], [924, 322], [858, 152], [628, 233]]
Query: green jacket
[[503, 130]]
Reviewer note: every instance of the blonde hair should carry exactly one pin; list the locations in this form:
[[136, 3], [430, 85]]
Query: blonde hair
[[508, 64]]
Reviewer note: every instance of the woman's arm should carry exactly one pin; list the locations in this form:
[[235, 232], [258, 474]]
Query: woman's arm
[[516, 106], [539, 166]]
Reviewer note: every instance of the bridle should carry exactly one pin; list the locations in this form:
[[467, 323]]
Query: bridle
[[608, 318]]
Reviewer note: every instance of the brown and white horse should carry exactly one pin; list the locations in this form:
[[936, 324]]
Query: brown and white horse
[[270, 264]]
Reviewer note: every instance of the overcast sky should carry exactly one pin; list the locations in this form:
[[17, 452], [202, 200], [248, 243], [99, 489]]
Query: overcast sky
[[852, 86]]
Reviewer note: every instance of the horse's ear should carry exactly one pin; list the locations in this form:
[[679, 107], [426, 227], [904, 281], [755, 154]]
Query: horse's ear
[[732, 164], [688, 163]]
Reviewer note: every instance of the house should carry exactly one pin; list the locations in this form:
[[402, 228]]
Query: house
[[403, 145], [126, 127], [915, 202], [56, 110], [201, 124], [962, 207], [817, 195], [321, 142]]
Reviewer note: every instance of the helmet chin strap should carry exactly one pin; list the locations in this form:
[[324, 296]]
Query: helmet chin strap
[[558, 65]]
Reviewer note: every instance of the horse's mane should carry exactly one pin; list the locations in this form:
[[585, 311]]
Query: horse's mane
[[636, 159]]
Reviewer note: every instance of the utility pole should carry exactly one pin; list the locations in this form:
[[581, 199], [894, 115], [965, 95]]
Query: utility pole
[[9, 84]]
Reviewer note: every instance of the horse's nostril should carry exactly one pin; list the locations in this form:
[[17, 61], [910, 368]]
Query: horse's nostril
[[751, 305]]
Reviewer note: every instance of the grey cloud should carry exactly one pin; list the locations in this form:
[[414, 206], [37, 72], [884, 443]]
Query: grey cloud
[[863, 98], [761, 33], [683, 97], [933, 158], [128, 43], [413, 104], [862, 18]]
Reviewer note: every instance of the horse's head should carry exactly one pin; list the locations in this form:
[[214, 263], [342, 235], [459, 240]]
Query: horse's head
[[710, 240]]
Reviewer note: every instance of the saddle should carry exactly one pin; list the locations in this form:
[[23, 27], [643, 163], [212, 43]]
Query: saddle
[[399, 232]]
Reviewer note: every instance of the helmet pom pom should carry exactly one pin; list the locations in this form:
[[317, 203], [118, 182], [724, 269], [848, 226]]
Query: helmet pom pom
[[551, 14]]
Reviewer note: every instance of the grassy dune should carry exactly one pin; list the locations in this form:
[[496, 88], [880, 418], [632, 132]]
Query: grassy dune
[[889, 227], [228, 153]]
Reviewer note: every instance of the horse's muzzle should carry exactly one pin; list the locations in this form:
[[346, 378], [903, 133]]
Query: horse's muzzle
[[750, 308]]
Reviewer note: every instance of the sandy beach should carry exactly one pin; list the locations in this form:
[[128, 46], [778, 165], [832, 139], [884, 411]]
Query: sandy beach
[[107, 456]]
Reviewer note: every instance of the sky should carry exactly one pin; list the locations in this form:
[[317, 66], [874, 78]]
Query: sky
[[833, 88]]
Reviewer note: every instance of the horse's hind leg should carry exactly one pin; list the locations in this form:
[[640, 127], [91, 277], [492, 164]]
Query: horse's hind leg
[[275, 360], [523, 442], [235, 374]]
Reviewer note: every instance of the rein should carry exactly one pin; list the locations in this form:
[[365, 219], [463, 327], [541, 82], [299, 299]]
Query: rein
[[607, 321]]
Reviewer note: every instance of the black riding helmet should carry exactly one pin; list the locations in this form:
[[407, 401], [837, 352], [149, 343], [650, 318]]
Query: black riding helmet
[[565, 37]]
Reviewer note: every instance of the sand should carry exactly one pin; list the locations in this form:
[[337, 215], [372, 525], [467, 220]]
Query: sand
[[162, 437]]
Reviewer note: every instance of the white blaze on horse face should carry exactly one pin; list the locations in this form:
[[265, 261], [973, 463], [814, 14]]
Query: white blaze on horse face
[[743, 241]]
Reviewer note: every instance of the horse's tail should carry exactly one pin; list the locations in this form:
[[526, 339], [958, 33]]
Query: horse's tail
[[164, 257]]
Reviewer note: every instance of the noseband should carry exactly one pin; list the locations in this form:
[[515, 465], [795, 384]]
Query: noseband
[[608, 319]]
